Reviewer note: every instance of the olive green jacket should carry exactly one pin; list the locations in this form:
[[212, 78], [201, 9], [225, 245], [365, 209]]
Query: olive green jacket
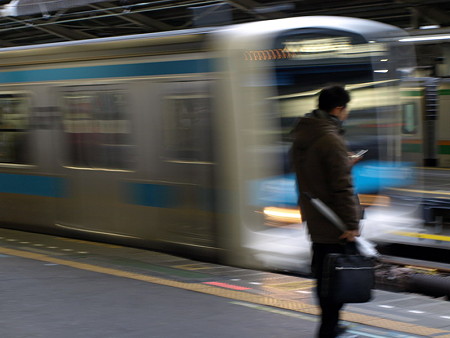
[[323, 170]]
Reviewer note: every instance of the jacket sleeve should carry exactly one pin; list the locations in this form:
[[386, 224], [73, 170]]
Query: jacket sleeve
[[342, 198]]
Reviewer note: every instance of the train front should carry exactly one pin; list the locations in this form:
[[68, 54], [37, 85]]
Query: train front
[[274, 72]]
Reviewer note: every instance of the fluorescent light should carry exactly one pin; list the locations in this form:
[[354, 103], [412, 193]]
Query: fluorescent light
[[430, 27], [381, 71], [425, 38]]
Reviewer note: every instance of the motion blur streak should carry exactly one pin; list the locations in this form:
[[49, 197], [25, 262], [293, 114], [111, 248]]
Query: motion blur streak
[[179, 141]]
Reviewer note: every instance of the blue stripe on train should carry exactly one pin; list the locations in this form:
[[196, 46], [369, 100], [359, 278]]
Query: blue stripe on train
[[370, 177], [154, 195], [167, 196], [145, 194], [109, 71], [47, 186], [151, 195]]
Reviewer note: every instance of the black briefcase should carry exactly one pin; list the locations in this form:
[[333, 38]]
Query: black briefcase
[[348, 278]]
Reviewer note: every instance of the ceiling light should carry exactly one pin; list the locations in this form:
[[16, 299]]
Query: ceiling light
[[425, 38], [430, 27]]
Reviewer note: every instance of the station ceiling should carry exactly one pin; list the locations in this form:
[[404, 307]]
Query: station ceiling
[[26, 22]]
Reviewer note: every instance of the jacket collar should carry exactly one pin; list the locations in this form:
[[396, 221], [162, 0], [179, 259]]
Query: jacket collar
[[320, 114]]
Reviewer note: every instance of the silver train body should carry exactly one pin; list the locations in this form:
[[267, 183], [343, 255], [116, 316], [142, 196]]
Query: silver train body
[[178, 141]]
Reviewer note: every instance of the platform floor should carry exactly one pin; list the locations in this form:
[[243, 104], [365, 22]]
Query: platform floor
[[59, 287]]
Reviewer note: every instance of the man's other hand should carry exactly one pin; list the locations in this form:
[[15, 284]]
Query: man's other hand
[[350, 235]]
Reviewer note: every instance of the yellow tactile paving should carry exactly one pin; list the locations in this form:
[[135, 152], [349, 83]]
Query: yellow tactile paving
[[306, 284], [390, 324], [286, 304], [420, 235]]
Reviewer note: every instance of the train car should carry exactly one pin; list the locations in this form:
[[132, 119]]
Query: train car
[[178, 141], [425, 134], [443, 123], [426, 144]]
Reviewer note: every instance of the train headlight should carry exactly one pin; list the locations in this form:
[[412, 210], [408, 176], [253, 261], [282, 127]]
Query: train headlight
[[280, 217], [374, 200]]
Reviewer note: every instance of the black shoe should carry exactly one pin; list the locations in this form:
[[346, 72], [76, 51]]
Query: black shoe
[[338, 331], [341, 332], [341, 329]]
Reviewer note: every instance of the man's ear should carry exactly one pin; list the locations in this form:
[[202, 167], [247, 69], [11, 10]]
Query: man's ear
[[336, 111]]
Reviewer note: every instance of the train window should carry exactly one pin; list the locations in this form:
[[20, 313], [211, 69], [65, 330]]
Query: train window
[[187, 127], [14, 133], [97, 127], [307, 60], [409, 125]]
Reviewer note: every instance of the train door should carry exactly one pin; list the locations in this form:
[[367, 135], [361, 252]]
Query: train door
[[187, 163], [442, 130], [412, 96], [95, 156]]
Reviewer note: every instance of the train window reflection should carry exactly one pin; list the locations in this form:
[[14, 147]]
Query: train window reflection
[[97, 127], [187, 127], [409, 118], [14, 133], [319, 58]]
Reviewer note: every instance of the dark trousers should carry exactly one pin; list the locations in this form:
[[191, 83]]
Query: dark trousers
[[330, 310]]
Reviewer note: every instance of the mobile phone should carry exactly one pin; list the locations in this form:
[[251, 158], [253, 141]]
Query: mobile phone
[[359, 153]]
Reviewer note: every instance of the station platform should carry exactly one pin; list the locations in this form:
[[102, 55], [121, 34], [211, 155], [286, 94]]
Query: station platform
[[60, 287]]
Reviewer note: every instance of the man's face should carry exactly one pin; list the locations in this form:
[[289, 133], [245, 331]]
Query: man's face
[[342, 113]]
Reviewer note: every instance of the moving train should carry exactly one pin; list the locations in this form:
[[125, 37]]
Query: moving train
[[178, 141]]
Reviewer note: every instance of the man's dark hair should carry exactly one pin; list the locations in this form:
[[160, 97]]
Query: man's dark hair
[[332, 97]]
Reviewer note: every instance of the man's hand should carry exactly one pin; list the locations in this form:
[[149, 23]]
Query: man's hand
[[353, 158], [350, 235]]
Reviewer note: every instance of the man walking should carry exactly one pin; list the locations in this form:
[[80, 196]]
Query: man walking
[[323, 170]]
